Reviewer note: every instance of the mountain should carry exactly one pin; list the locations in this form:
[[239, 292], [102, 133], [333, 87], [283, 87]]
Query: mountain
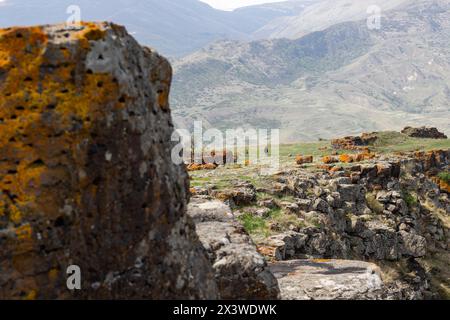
[[342, 80], [321, 14], [174, 27]]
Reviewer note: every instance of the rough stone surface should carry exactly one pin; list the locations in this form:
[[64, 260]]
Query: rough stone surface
[[86, 176], [424, 132], [328, 280], [241, 272]]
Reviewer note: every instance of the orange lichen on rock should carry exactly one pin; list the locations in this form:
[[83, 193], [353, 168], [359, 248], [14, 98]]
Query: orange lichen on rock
[[326, 167], [81, 135], [24, 232], [346, 158], [444, 186], [50, 92], [336, 169], [197, 167], [267, 251], [299, 159], [330, 159]]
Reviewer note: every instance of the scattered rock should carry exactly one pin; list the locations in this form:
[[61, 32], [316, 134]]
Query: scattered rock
[[241, 272], [424, 132], [239, 196], [304, 159], [413, 245]]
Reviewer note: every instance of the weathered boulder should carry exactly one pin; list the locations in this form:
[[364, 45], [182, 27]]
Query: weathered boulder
[[86, 176], [354, 143], [299, 159], [241, 272], [285, 245], [413, 244], [241, 194], [424, 132], [328, 280]]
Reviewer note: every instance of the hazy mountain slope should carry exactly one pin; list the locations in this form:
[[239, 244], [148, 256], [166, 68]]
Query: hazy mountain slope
[[322, 14], [252, 18], [174, 27], [180, 27], [347, 79], [268, 63]]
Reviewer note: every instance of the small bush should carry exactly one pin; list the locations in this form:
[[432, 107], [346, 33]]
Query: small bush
[[444, 176], [374, 204], [253, 224], [410, 200]]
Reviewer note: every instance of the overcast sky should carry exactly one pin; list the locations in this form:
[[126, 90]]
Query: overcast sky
[[233, 4]]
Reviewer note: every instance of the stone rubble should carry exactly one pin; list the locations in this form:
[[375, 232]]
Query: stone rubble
[[241, 272]]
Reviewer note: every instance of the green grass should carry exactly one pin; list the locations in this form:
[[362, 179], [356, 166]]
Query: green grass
[[410, 199], [387, 142], [258, 227], [390, 141], [254, 225], [374, 204], [225, 177], [444, 176], [311, 148]]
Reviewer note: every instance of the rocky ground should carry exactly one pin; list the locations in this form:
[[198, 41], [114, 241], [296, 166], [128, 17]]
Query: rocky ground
[[373, 229], [86, 179]]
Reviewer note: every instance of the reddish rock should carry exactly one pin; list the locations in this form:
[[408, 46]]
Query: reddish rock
[[299, 159]]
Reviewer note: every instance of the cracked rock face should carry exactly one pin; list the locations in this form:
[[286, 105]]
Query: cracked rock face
[[241, 272], [86, 176]]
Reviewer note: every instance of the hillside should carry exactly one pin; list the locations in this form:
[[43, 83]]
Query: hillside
[[342, 80], [390, 207], [322, 14], [174, 27]]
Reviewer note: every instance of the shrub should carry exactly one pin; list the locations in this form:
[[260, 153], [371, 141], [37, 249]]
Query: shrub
[[444, 176], [410, 200], [253, 224], [374, 204]]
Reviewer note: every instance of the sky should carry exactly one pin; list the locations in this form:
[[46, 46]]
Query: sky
[[233, 4]]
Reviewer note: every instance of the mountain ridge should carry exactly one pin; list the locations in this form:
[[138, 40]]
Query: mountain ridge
[[398, 76]]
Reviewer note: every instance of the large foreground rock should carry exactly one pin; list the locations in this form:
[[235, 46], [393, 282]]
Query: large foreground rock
[[241, 272], [328, 280], [86, 176]]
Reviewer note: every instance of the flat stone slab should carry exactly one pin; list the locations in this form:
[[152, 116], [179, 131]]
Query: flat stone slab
[[328, 280]]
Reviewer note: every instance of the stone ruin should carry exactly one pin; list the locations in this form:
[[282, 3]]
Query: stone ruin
[[424, 132]]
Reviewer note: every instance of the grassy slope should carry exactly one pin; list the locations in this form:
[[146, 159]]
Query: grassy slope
[[259, 227], [224, 176]]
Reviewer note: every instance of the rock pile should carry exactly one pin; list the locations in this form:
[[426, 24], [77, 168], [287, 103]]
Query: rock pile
[[377, 211], [299, 159], [424, 132], [354, 143], [241, 272]]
